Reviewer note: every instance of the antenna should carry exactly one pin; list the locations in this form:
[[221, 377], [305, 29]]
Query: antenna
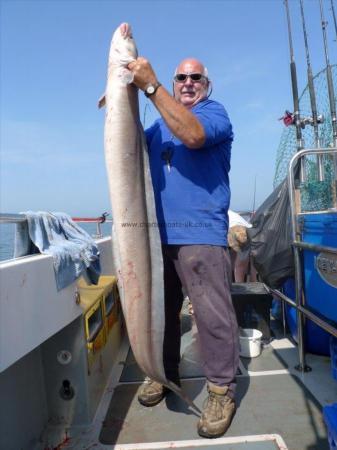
[[334, 17]]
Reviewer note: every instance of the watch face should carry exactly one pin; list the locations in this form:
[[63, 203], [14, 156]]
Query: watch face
[[150, 89]]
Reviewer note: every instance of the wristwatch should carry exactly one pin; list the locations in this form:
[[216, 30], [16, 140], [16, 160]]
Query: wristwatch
[[151, 89]]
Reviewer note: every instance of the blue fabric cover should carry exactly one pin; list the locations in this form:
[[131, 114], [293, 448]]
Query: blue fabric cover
[[74, 252], [192, 193]]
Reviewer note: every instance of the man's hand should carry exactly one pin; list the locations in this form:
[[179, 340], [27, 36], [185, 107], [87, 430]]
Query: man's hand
[[143, 73]]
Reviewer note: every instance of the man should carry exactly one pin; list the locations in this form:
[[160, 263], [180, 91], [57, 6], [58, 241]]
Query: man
[[189, 150]]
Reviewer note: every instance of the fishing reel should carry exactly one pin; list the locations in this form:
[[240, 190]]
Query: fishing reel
[[310, 121], [290, 119]]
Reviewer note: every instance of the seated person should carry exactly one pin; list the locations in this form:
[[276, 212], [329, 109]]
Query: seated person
[[240, 248]]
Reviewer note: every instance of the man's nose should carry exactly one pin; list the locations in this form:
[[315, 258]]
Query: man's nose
[[188, 81]]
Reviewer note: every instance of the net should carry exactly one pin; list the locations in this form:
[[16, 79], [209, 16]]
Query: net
[[315, 194]]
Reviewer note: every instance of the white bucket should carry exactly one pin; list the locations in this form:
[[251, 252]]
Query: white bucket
[[250, 342]]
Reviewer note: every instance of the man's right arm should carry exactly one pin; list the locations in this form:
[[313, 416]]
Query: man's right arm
[[182, 123]]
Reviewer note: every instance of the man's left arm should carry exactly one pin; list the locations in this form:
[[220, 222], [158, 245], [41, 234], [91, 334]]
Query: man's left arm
[[216, 123]]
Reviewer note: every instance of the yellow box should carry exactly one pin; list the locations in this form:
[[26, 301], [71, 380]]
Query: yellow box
[[111, 308], [91, 301], [107, 288], [105, 282]]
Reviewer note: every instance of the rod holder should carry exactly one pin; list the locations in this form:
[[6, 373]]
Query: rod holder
[[320, 167], [303, 172]]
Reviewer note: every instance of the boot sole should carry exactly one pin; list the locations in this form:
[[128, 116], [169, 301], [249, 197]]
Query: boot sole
[[211, 436], [153, 403], [216, 435]]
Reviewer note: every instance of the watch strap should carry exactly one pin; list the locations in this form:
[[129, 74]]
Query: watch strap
[[155, 87]]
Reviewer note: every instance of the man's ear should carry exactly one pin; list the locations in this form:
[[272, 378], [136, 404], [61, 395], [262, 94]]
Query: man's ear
[[209, 88]]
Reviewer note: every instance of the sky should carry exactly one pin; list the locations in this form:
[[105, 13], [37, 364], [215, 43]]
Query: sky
[[53, 70]]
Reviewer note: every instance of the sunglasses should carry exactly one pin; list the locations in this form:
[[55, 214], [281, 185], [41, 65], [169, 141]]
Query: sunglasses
[[181, 77]]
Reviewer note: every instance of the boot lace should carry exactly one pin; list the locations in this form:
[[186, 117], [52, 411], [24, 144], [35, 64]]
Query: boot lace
[[214, 406]]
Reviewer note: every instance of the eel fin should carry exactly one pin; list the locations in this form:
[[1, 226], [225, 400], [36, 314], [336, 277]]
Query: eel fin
[[183, 396], [101, 102]]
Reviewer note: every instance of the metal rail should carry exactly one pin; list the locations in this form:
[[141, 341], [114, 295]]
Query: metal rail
[[301, 309], [20, 218], [315, 247], [306, 312], [12, 218]]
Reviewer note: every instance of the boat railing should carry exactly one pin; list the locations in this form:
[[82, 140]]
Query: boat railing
[[302, 310], [19, 218], [98, 220]]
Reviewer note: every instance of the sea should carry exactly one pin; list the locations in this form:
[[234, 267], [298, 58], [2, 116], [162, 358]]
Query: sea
[[7, 232]]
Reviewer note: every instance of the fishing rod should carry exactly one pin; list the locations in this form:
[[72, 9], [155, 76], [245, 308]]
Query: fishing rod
[[315, 119], [297, 117], [144, 117], [254, 197], [334, 17], [329, 79]]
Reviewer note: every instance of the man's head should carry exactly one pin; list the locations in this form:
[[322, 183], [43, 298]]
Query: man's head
[[190, 83], [237, 237]]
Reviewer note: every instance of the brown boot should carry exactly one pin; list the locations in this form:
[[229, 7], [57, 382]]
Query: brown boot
[[151, 392], [218, 412]]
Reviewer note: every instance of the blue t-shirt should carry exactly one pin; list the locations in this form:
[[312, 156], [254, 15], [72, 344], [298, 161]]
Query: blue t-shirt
[[191, 186]]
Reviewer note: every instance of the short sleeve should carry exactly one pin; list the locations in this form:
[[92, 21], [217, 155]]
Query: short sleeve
[[215, 121]]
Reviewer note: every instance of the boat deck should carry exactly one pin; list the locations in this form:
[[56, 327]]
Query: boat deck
[[277, 407]]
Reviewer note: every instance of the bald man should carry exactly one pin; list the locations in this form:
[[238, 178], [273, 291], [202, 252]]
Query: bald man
[[189, 149]]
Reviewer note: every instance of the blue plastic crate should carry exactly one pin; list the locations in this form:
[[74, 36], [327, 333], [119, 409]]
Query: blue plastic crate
[[330, 418], [333, 354], [317, 340], [319, 229]]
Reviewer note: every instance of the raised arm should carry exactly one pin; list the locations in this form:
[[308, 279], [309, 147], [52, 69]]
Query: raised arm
[[179, 119]]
